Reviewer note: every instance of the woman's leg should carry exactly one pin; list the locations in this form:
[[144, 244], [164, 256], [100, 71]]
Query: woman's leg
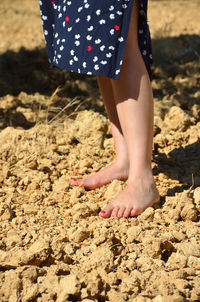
[[120, 167], [134, 101]]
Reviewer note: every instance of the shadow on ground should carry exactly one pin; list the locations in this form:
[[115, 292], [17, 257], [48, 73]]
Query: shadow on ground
[[27, 83], [29, 70]]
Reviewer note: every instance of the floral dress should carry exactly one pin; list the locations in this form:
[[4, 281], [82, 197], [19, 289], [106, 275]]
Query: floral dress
[[89, 36]]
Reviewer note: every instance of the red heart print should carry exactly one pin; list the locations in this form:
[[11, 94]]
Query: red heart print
[[116, 27]]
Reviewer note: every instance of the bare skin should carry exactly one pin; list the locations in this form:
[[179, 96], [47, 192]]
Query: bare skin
[[119, 169], [130, 108]]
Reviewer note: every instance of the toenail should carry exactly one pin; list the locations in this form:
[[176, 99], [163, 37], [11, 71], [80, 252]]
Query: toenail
[[74, 179], [102, 212]]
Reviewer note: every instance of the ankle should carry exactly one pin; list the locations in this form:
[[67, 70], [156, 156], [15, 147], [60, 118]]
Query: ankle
[[122, 163], [144, 175]]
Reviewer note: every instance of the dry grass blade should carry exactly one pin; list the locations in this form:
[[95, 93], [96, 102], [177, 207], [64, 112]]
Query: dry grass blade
[[73, 102], [58, 89]]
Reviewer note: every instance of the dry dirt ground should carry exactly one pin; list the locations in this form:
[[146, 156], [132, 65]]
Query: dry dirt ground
[[53, 126]]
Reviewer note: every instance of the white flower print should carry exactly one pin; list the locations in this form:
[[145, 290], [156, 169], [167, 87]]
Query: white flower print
[[80, 9], [88, 37], [88, 18], [97, 41], [77, 43], [103, 62], [111, 47], [124, 6], [95, 59], [102, 21], [109, 55], [112, 16], [44, 17], [102, 47], [90, 28], [96, 67]]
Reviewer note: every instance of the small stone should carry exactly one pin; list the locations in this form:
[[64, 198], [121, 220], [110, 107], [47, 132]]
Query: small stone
[[148, 215], [79, 235], [36, 254], [61, 185], [194, 262], [115, 295], [190, 249], [6, 213], [196, 196], [29, 209], [177, 119], [114, 188], [189, 212], [176, 261], [30, 291], [69, 285], [158, 298], [133, 233], [12, 239], [32, 164]]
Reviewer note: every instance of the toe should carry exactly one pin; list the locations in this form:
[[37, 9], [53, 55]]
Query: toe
[[132, 212], [121, 212], [115, 212], [90, 183], [127, 212], [106, 212], [74, 182], [135, 212]]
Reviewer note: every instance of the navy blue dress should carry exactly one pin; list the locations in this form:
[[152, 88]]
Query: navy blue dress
[[89, 36]]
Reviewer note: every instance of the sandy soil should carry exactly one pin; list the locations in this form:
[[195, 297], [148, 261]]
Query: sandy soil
[[53, 126]]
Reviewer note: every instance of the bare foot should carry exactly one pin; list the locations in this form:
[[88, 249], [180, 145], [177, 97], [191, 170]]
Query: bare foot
[[104, 176], [133, 200]]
